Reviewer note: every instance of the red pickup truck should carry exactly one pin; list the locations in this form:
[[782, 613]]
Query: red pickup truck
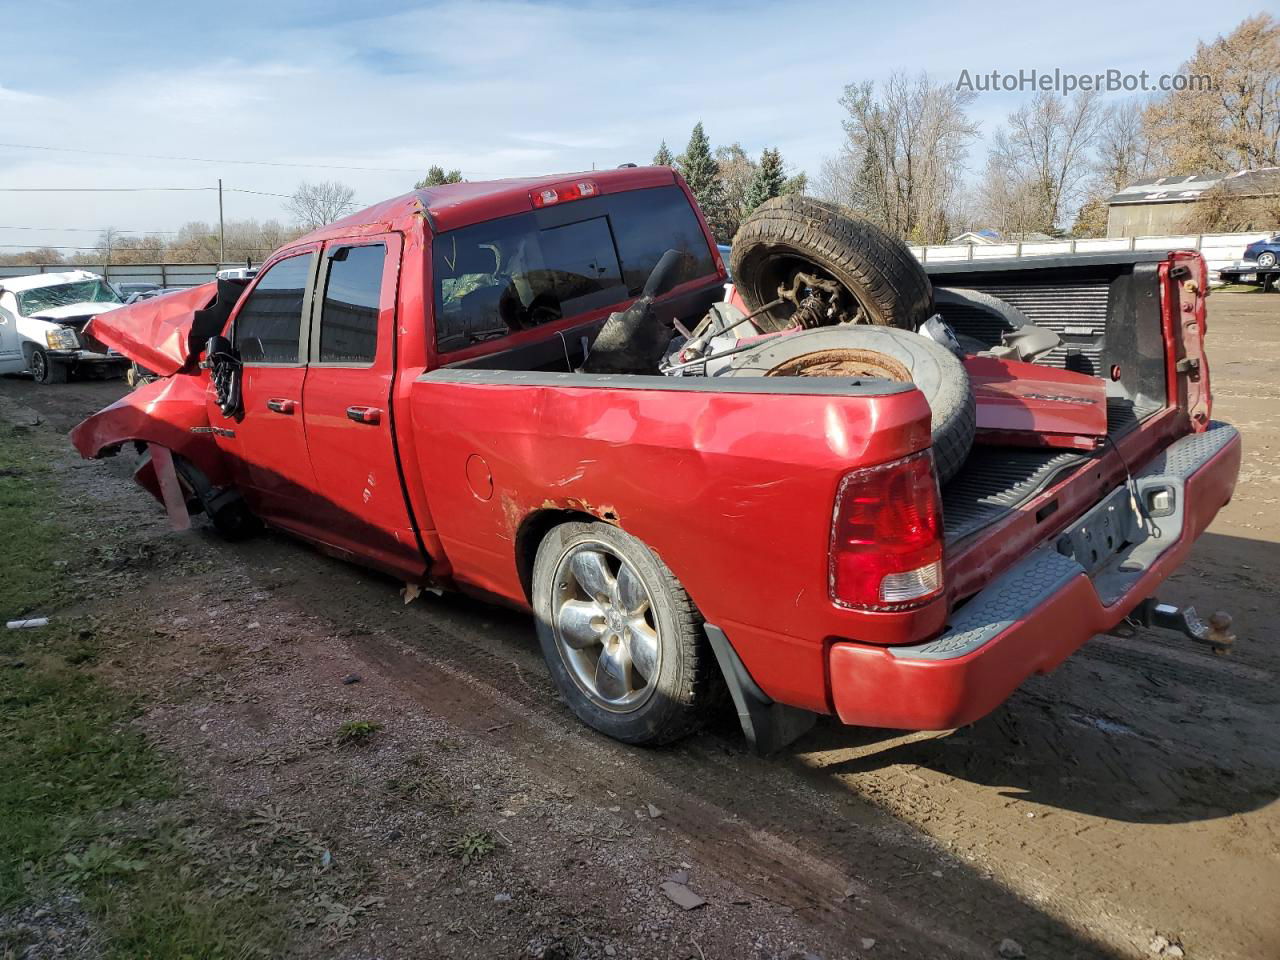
[[405, 388]]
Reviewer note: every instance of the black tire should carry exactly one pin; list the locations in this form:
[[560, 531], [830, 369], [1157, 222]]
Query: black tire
[[681, 686], [934, 369], [1266, 259], [978, 316], [46, 370], [229, 515], [797, 232]]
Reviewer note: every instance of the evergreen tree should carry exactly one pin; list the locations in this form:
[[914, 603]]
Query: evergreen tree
[[663, 157], [436, 176], [702, 173], [797, 184], [769, 181]]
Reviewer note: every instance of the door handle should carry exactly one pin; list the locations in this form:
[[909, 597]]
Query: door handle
[[368, 415], [282, 406]]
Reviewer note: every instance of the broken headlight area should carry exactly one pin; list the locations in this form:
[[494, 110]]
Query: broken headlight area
[[61, 338]]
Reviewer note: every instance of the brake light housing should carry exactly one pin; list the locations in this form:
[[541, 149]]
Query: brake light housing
[[563, 193], [887, 536]]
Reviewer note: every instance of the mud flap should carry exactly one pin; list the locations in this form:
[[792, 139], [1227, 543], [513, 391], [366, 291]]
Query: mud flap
[[768, 726], [171, 491]]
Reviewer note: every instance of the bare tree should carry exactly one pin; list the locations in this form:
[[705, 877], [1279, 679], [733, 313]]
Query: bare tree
[[903, 155], [315, 204], [1042, 156], [1123, 154], [1005, 199], [1233, 123], [737, 170]]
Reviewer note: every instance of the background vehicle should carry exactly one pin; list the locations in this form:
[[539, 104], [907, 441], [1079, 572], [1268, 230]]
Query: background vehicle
[[406, 388], [1265, 253], [155, 291], [42, 318], [128, 290]]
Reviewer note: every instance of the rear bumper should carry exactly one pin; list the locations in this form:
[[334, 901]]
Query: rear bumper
[[1039, 612]]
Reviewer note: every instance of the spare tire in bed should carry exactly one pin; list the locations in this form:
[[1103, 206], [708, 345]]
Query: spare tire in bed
[[884, 353], [793, 233]]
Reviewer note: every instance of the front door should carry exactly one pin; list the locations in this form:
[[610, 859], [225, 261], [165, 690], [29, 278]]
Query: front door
[[267, 445], [346, 403]]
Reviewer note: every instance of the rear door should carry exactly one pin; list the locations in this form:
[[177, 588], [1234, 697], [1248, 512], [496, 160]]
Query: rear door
[[347, 404], [268, 444]]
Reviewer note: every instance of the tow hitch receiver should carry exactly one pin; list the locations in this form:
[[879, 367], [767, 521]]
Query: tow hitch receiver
[[1152, 613]]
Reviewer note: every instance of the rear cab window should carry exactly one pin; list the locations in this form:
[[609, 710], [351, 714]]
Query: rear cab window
[[496, 278]]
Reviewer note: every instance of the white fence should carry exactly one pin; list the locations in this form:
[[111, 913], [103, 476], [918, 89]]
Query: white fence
[[1219, 249], [165, 274]]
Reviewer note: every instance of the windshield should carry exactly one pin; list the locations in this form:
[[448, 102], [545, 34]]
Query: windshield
[[64, 295]]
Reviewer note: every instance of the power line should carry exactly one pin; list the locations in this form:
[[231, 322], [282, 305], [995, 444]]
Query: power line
[[89, 230], [255, 163], [100, 189], [256, 193]]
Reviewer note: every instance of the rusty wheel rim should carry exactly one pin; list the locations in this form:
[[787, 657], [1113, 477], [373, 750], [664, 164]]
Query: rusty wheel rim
[[843, 362]]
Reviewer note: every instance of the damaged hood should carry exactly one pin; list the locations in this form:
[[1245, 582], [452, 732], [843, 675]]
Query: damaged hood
[[167, 332], [74, 311]]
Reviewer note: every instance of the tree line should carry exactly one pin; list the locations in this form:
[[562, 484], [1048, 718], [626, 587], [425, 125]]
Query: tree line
[[903, 162], [1052, 164]]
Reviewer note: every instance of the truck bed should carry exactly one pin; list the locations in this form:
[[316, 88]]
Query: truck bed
[[1107, 312]]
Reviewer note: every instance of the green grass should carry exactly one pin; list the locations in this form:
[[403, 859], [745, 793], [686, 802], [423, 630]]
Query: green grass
[[82, 793], [356, 731]]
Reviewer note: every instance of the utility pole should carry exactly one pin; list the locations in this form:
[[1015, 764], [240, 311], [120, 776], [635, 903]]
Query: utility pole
[[222, 229]]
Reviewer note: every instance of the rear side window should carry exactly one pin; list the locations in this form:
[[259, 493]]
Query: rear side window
[[510, 274], [349, 313], [268, 323]]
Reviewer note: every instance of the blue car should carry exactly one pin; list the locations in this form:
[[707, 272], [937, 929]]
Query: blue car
[[1266, 253]]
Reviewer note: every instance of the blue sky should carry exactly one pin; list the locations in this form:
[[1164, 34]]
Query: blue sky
[[495, 88]]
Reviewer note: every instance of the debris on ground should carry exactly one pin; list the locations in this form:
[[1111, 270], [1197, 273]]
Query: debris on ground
[[1010, 949], [681, 896]]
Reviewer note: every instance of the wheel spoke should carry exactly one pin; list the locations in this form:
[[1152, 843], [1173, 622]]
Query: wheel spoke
[[642, 644], [612, 670], [581, 623], [592, 574], [632, 599]]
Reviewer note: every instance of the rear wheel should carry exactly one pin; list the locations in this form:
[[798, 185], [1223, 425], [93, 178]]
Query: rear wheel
[[621, 638], [44, 369], [805, 248], [1267, 260]]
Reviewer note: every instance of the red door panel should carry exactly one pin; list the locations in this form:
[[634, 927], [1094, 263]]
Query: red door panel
[[267, 441], [347, 405]]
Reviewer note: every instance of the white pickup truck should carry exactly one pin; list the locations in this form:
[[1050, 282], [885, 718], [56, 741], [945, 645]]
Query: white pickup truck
[[42, 318]]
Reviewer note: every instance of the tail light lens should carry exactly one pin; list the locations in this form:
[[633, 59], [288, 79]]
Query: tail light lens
[[886, 536], [549, 196]]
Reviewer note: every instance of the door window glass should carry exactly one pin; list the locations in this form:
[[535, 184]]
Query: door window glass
[[349, 314], [268, 323]]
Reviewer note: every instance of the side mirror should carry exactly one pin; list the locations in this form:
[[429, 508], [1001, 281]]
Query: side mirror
[[216, 345]]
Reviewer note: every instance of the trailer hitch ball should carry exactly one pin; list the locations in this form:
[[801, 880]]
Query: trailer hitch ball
[[1216, 633]]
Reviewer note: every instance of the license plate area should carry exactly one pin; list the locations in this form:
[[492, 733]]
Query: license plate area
[[1103, 532]]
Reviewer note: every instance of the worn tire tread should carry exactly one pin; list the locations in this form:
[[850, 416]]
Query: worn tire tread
[[880, 269]]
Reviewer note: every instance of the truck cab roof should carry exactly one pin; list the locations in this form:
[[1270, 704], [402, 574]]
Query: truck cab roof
[[454, 205]]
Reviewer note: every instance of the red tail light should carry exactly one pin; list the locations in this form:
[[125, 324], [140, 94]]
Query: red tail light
[[562, 193], [886, 536]]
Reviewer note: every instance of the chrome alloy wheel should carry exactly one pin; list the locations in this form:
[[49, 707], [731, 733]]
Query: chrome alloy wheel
[[605, 627]]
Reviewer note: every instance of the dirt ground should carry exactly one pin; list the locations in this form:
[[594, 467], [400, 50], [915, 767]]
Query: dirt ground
[[1123, 805]]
